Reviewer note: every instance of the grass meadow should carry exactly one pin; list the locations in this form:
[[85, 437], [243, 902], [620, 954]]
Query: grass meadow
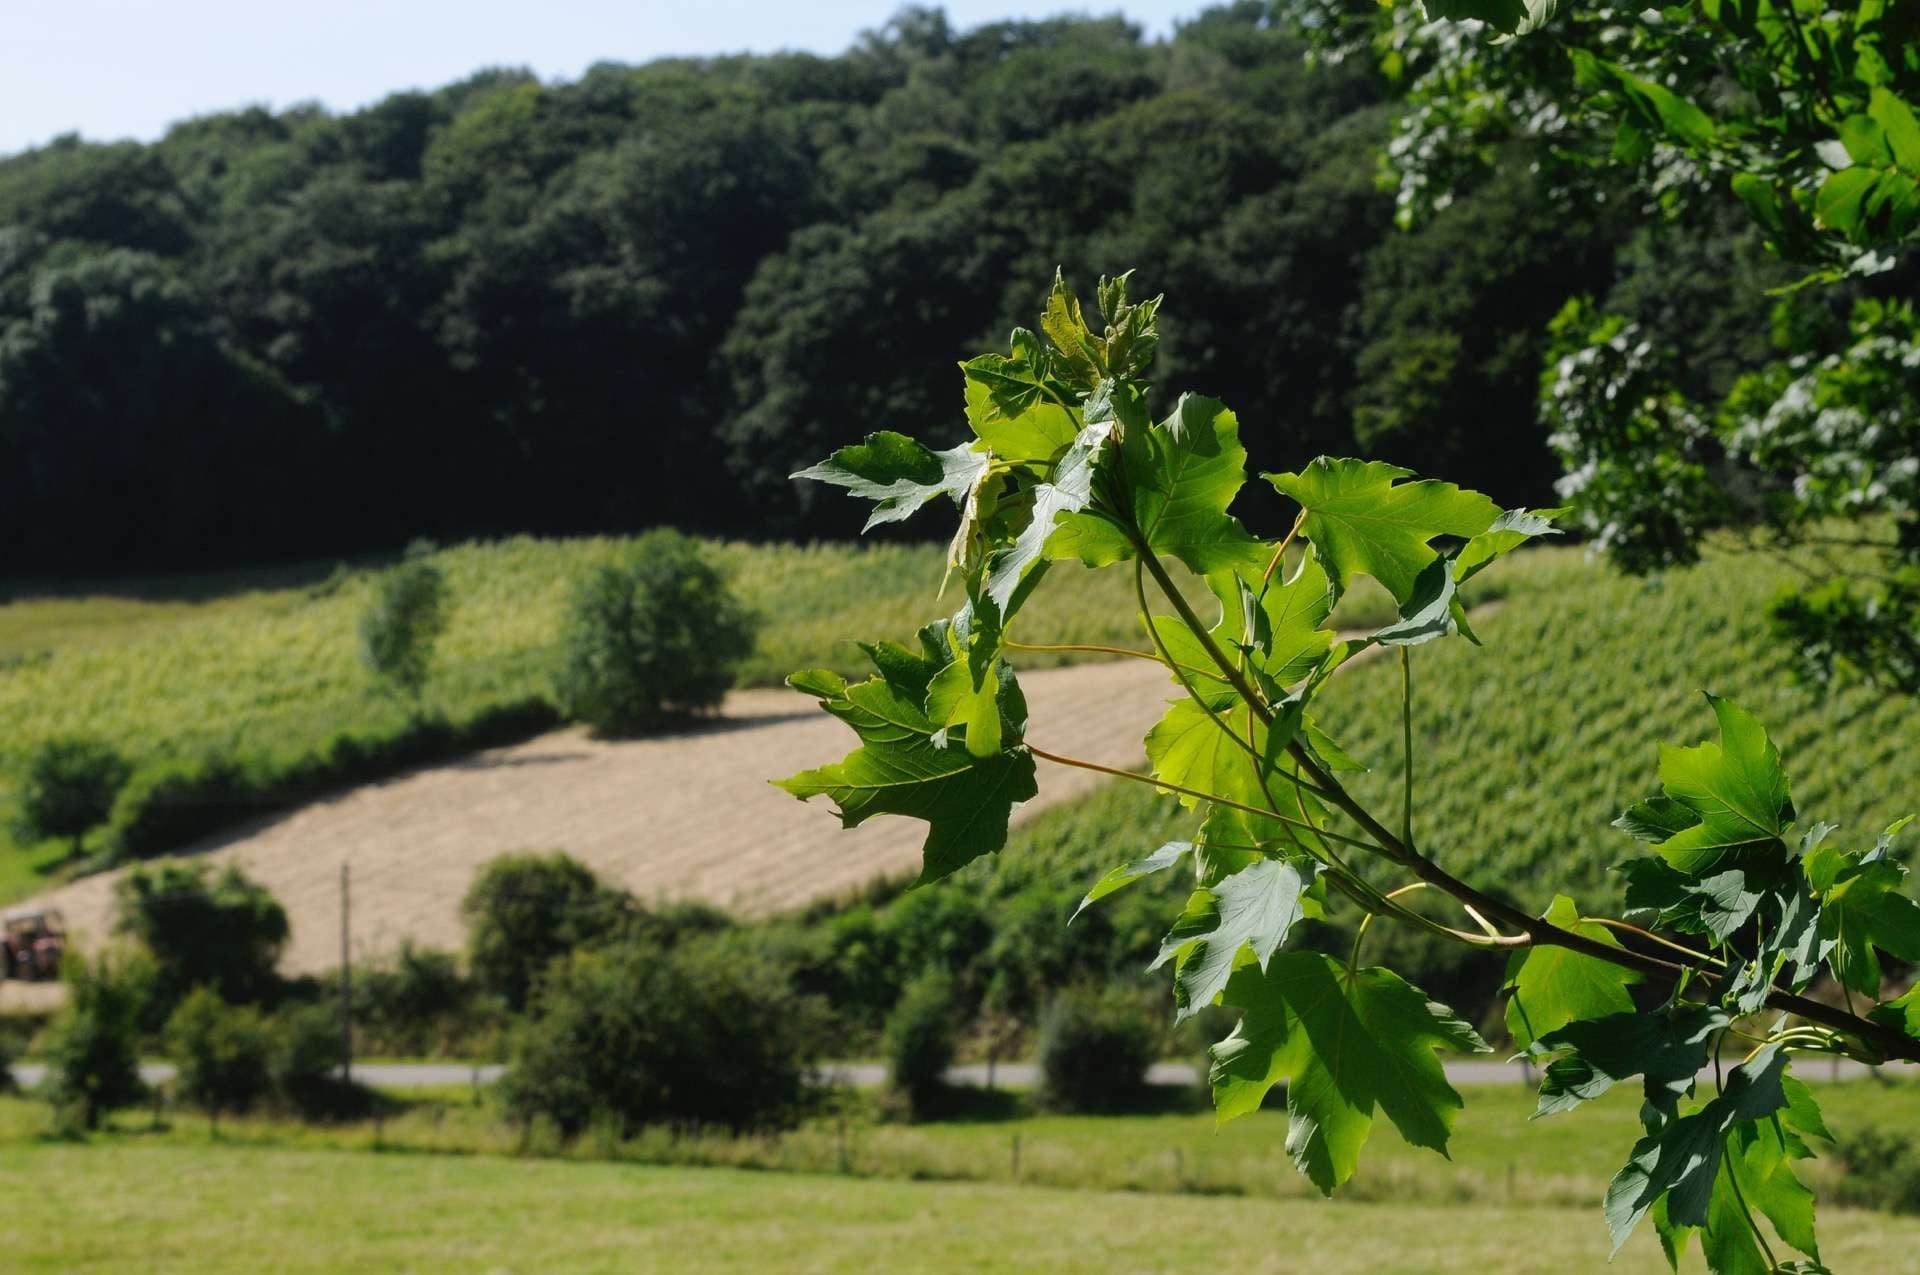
[[444, 1184]]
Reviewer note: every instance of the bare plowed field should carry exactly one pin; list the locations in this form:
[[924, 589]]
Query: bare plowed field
[[684, 816]]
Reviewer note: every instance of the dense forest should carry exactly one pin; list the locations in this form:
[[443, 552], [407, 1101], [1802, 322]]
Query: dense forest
[[510, 306]]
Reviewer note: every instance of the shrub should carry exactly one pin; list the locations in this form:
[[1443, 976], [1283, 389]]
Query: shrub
[[304, 1057], [918, 1042], [222, 1051], [222, 932], [177, 801], [93, 1059], [1095, 1048], [633, 1035], [659, 636], [524, 910], [398, 632], [69, 788], [1882, 1171], [414, 1004]]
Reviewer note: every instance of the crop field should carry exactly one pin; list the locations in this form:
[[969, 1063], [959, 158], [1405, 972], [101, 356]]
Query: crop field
[[264, 669], [1115, 1193]]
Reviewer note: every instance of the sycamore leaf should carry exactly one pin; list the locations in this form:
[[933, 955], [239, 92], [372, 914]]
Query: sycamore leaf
[[1127, 873], [1022, 423], [1180, 477], [1553, 986], [1347, 1042], [1759, 1157], [1433, 610], [1283, 643], [1186, 749], [1361, 519], [1014, 570], [1736, 788], [900, 475], [900, 769], [1680, 1158], [1902, 1013], [1595, 1054], [1253, 909], [1513, 528], [1863, 907]]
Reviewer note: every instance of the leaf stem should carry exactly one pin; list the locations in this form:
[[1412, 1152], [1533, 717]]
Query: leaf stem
[[1651, 937], [1273, 563], [1746, 1210], [1406, 742]]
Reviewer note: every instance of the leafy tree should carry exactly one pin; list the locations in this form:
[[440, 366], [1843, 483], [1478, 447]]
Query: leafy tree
[[682, 1037], [525, 910], [1800, 116], [1095, 1048], [93, 1044], [919, 1043], [69, 789], [222, 1052], [658, 636], [1068, 465], [223, 932], [408, 615]]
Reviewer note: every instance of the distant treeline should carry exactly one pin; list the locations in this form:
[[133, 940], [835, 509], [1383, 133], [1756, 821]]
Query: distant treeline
[[649, 295]]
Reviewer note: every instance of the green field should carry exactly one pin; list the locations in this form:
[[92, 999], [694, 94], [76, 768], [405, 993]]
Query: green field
[[1094, 1194]]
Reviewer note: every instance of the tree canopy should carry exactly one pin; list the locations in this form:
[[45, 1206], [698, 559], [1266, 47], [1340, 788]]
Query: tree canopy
[[480, 310]]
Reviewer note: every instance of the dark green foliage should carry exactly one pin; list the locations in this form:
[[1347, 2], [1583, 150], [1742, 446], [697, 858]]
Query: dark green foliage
[[222, 1051], [417, 1002], [1095, 1048], [1882, 1171], [398, 632], [304, 1058], [524, 910], [222, 932], [658, 637], [204, 340], [69, 788], [918, 1043], [172, 803], [707, 1033], [93, 1044]]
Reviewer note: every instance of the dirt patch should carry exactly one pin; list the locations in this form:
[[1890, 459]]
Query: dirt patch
[[686, 816]]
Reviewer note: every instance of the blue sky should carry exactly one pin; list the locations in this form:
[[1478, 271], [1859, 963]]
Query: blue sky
[[128, 68]]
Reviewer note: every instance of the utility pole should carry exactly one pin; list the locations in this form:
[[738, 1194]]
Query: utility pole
[[346, 984]]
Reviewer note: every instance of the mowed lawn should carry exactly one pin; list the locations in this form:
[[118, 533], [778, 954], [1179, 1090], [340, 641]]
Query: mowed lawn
[[127, 1207], [1520, 1196]]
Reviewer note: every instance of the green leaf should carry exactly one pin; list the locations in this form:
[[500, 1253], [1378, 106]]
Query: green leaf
[[899, 474], [1013, 570], [900, 769], [1553, 986], [1737, 789], [1285, 642], [1039, 430], [1759, 1158], [1180, 477], [1656, 819], [1187, 749], [1252, 910], [1902, 1013], [1360, 518], [1595, 1054], [1899, 128], [1513, 528], [1862, 907], [1680, 1159], [1434, 610], [1509, 17], [1127, 873], [1348, 1043]]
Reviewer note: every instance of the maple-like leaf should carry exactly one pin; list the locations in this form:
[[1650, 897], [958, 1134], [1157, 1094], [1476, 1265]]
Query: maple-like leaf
[[899, 474], [1252, 910], [1348, 1043], [1553, 986]]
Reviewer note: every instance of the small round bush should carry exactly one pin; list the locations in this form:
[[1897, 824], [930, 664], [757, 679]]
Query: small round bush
[[304, 1055], [655, 638], [222, 1051], [397, 634], [524, 910], [1095, 1048], [69, 788], [702, 1034], [919, 1043], [225, 932]]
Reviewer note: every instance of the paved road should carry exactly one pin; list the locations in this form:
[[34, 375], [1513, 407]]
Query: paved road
[[873, 1075]]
